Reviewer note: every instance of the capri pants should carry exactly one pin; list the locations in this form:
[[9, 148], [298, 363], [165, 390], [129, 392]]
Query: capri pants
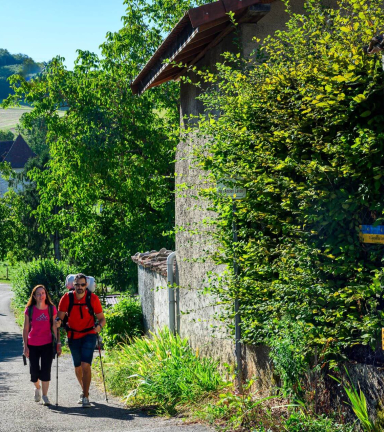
[[40, 362]]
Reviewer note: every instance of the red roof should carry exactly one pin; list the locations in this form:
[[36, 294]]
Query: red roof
[[15, 152], [198, 31]]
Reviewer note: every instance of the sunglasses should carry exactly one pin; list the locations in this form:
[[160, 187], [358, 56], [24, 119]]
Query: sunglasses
[[80, 284]]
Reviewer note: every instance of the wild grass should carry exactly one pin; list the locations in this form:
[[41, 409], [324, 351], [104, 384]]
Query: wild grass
[[161, 371], [358, 403], [4, 265]]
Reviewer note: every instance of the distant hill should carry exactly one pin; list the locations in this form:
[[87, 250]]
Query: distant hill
[[15, 64]]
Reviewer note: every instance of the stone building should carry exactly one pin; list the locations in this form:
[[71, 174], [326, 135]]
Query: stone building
[[17, 154], [199, 39]]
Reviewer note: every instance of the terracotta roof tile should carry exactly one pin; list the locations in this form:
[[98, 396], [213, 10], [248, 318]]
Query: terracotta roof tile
[[154, 261]]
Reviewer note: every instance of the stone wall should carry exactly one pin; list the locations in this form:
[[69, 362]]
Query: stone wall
[[153, 290]]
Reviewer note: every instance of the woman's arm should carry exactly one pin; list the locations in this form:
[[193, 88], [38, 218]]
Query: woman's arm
[[54, 328], [25, 335]]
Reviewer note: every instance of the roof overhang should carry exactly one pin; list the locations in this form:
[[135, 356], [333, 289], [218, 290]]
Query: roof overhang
[[198, 31]]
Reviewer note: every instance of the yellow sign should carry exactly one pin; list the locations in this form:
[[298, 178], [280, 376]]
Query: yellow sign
[[372, 238], [382, 339]]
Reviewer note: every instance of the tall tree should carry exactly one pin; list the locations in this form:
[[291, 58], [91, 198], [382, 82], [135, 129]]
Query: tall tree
[[108, 189]]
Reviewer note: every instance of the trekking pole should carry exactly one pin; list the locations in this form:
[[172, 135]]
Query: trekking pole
[[101, 363], [57, 368]]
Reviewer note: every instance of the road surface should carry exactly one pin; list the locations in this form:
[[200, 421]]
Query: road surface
[[19, 412]]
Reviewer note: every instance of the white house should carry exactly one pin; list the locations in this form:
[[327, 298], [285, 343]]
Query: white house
[[17, 154]]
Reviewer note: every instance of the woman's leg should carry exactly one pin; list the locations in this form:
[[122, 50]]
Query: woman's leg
[[45, 385], [34, 367], [46, 364]]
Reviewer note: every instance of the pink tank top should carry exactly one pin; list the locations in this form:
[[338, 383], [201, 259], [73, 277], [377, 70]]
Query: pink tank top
[[40, 333]]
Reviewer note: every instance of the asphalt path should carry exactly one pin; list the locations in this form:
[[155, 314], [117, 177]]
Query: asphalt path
[[19, 412]]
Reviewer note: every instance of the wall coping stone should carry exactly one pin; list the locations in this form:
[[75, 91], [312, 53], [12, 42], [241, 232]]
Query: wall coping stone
[[155, 261]]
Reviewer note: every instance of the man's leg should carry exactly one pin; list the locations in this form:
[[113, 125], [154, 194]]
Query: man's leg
[[75, 347], [79, 375], [87, 349], [87, 375]]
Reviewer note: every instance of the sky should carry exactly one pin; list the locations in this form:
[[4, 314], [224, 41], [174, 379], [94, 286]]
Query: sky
[[43, 29]]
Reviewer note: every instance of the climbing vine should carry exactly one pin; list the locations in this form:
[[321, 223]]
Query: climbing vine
[[301, 127]]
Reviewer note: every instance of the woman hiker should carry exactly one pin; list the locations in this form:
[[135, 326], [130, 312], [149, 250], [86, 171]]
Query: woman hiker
[[39, 336]]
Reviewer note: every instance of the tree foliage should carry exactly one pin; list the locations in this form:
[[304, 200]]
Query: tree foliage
[[6, 135], [23, 239], [301, 127], [108, 189], [15, 64], [34, 131]]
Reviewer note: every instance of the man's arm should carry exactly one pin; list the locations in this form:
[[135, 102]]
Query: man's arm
[[101, 318]]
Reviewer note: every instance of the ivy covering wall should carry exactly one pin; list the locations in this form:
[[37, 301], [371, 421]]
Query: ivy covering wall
[[301, 127]]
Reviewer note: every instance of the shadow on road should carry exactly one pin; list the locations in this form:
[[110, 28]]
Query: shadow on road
[[4, 389], [100, 411], [11, 346]]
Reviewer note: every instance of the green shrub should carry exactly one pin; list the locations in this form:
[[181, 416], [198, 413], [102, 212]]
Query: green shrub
[[299, 422], [47, 272], [124, 320], [161, 370], [288, 353]]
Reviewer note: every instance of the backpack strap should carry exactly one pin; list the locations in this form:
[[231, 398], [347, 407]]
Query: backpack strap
[[30, 313], [71, 297], [89, 304], [50, 313]]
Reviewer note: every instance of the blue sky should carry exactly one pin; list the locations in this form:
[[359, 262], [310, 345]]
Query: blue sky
[[43, 29]]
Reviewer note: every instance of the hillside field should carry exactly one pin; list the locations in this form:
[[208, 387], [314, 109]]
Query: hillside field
[[9, 118]]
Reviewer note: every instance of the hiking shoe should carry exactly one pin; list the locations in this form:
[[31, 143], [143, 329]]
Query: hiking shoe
[[81, 397], [37, 395], [86, 403], [46, 400]]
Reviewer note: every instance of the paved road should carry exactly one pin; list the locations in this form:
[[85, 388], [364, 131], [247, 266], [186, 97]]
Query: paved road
[[19, 412]]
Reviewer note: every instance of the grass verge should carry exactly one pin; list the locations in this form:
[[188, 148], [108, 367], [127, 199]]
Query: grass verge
[[163, 374], [161, 371]]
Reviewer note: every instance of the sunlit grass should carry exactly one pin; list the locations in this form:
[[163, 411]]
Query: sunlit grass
[[161, 371]]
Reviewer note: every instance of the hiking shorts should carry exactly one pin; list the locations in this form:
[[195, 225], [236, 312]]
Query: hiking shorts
[[82, 349], [40, 362]]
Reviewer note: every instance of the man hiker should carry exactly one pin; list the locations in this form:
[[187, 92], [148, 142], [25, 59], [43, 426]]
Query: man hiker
[[81, 307]]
